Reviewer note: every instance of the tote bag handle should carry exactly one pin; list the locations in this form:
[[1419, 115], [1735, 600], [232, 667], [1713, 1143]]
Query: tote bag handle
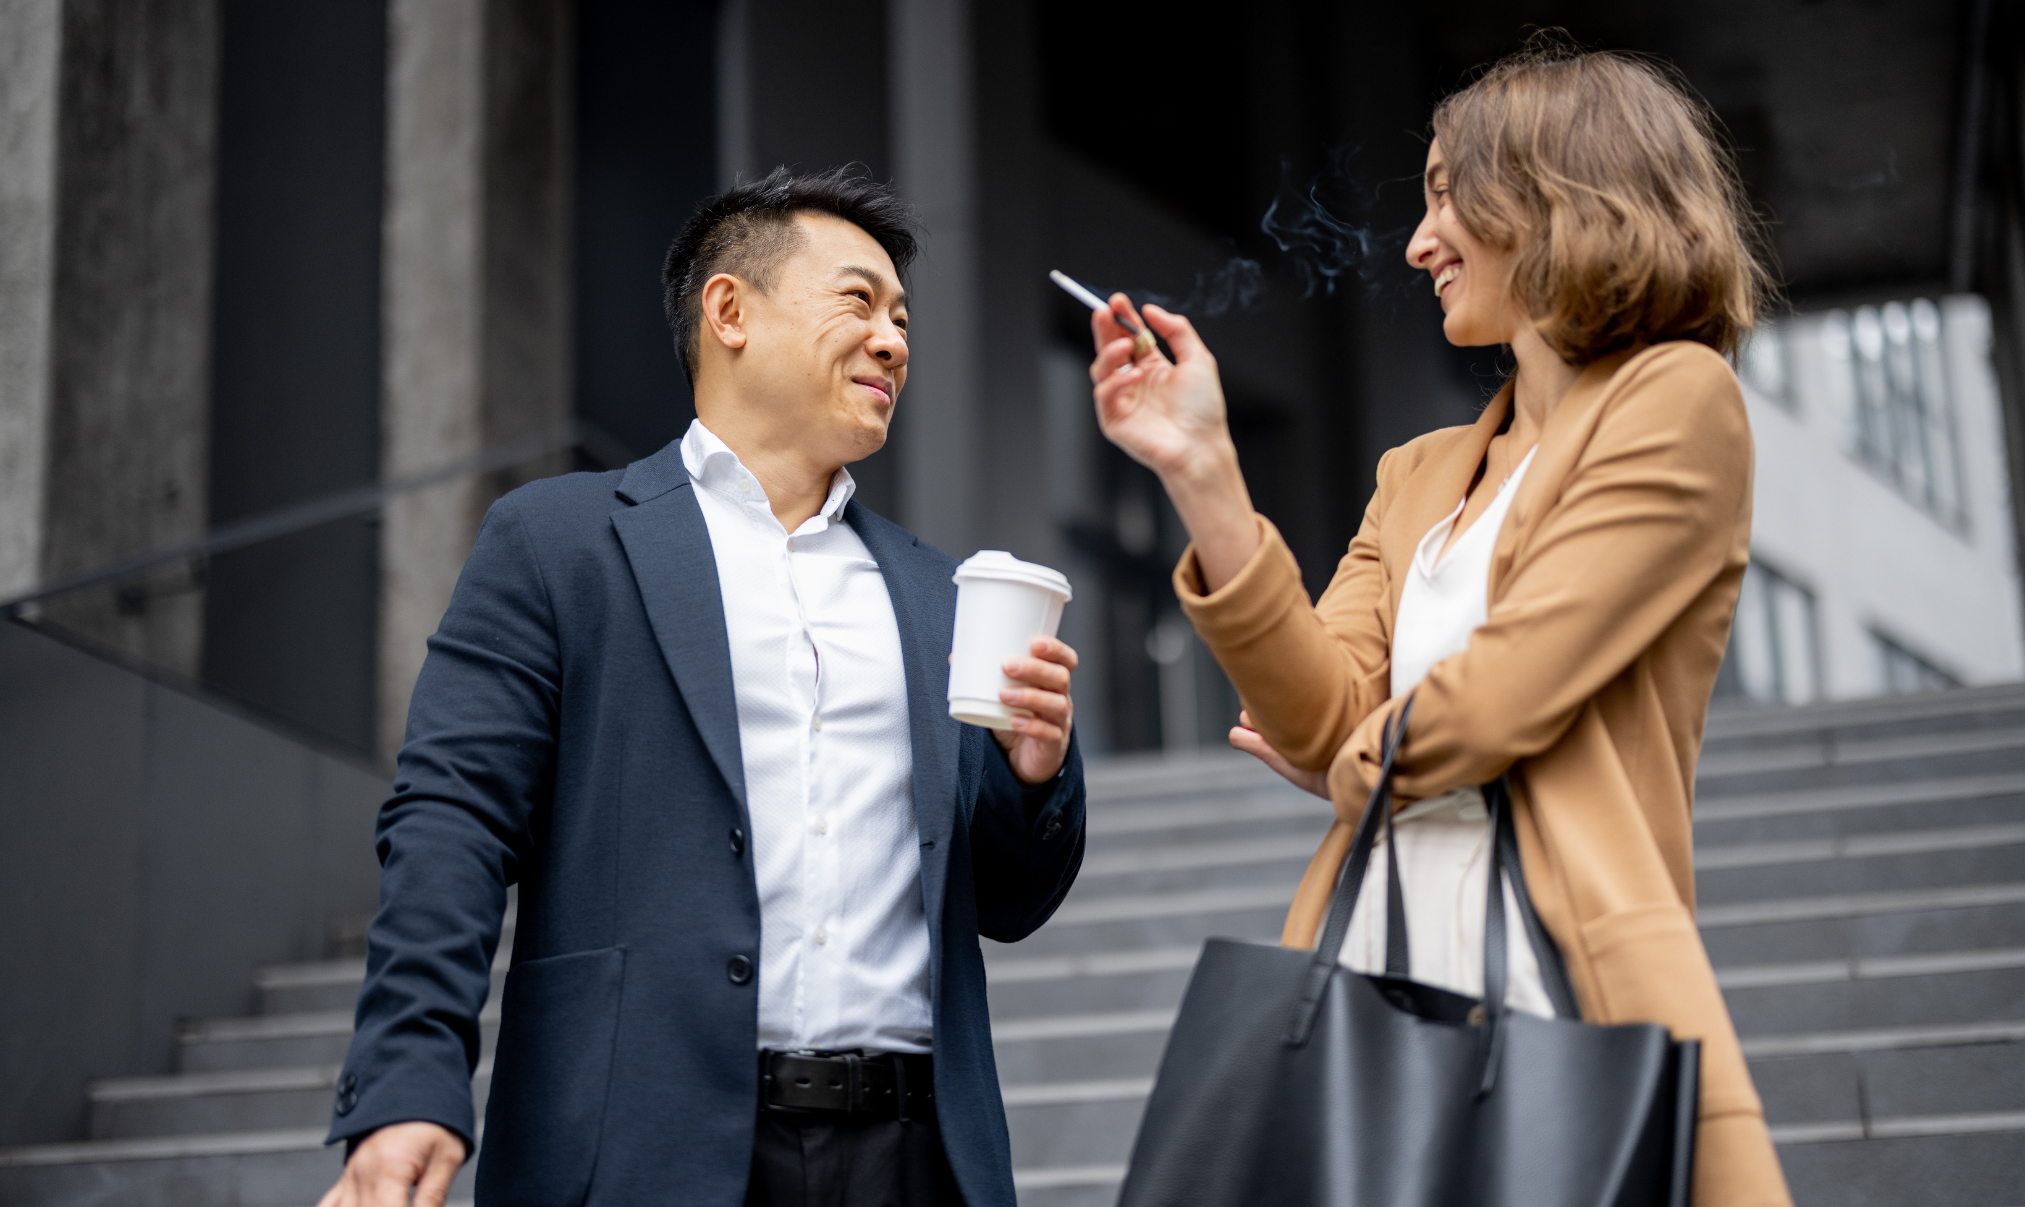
[[1504, 859]]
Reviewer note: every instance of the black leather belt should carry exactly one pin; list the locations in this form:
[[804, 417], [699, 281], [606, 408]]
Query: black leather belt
[[884, 1085]]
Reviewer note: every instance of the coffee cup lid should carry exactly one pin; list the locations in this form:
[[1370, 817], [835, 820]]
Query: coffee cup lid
[[996, 565]]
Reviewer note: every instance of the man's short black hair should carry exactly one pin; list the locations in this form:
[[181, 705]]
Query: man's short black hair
[[750, 229]]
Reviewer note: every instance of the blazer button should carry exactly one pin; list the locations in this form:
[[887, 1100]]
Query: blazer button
[[1053, 828], [347, 1093], [737, 842], [739, 970]]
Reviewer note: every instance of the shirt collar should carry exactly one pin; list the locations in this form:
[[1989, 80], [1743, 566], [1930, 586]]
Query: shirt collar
[[715, 468]]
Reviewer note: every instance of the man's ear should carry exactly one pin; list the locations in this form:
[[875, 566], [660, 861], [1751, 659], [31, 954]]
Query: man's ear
[[723, 304]]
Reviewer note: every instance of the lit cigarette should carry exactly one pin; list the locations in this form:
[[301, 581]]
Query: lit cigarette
[[1142, 339]]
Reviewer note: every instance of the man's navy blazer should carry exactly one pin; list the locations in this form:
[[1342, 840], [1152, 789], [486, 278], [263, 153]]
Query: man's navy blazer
[[574, 731]]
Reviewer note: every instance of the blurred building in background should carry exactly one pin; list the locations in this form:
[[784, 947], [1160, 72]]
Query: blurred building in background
[[290, 292], [1883, 557], [258, 256]]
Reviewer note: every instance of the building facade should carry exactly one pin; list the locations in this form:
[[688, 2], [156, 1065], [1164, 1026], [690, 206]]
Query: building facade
[[1883, 556]]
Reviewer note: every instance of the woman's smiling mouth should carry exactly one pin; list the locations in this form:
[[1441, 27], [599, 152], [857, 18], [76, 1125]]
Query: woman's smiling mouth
[[1446, 275]]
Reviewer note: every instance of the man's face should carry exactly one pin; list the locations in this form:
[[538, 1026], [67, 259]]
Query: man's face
[[828, 345]]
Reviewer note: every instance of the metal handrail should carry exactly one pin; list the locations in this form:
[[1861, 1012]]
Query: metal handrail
[[338, 505]]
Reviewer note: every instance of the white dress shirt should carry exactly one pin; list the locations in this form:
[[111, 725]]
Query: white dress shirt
[[1445, 841], [829, 765]]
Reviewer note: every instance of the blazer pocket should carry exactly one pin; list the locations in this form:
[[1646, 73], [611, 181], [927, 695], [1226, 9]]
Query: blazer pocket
[[559, 1022]]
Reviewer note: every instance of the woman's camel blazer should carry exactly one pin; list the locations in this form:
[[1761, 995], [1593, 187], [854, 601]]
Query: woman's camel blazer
[[1612, 586]]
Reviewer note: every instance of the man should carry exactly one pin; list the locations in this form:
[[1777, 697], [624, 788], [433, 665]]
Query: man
[[695, 709]]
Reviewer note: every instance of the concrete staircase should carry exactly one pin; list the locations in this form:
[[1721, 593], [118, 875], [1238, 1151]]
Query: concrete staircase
[[1862, 881], [1861, 874]]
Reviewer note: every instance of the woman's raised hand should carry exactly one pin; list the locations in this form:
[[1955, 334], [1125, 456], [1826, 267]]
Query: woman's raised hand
[[1169, 417]]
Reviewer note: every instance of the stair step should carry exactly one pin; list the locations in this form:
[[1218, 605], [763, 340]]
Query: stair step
[[1989, 862], [240, 1100], [1077, 1133], [1111, 1045], [1862, 935], [272, 1168], [282, 1040], [332, 985], [1719, 765], [1907, 1082], [1952, 998], [1861, 808], [1902, 761], [1949, 1169], [1859, 846]]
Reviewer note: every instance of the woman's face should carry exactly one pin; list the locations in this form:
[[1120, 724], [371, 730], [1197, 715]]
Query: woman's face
[[1471, 278]]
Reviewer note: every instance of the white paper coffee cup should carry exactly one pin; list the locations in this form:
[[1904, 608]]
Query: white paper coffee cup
[[1002, 604]]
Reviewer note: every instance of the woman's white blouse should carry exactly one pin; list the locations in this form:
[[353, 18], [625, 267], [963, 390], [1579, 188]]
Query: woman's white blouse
[[1444, 842]]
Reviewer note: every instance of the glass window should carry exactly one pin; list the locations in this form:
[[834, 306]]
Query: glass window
[[1884, 369], [1901, 670], [1764, 364], [1774, 653]]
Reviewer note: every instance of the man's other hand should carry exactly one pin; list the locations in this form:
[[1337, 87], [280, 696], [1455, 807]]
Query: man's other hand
[[1037, 745], [399, 1157]]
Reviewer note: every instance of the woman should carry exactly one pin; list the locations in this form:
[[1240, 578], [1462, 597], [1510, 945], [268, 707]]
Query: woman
[[1553, 584]]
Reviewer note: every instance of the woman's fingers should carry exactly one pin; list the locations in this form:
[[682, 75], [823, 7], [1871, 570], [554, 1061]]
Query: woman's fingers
[[1247, 739], [1112, 355], [1177, 331]]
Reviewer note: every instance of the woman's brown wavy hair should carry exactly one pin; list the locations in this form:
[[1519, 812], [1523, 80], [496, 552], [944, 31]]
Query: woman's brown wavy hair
[[1606, 172]]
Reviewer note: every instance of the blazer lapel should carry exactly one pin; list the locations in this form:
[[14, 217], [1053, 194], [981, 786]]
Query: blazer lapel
[[668, 547], [1433, 490], [1561, 442], [924, 608]]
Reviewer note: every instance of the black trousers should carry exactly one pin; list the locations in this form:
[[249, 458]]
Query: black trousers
[[836, 1161]]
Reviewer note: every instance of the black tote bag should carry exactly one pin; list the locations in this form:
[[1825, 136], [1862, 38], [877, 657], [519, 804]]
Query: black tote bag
[[1292, 1080]]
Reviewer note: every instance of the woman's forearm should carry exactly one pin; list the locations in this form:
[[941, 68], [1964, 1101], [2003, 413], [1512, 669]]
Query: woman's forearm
[[1216, 508]]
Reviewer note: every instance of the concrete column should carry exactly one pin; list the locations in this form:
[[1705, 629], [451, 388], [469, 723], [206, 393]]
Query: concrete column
[[938, 428], [432, 335], [127, 435], [30, 41], [1019, 493], [476, 280]]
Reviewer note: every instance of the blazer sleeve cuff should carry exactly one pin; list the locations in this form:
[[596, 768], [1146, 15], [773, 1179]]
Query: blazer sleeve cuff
[[365, 1104], [1250, 604]]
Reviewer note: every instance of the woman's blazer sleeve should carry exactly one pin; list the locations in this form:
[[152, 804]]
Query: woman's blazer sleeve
[[1655, 508], [1260, 625]]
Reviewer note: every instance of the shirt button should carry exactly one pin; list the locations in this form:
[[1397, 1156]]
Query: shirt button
[[745, 484], [791, 544], [822, 826], [822, 937], [816, 721]]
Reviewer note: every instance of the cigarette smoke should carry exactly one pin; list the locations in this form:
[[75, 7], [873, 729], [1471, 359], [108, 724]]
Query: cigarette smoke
[[1237, 286], [1321, 246]]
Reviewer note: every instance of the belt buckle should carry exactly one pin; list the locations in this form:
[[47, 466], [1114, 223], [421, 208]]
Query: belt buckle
[[780, 1084]]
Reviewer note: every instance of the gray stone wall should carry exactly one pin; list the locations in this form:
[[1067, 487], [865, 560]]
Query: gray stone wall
[[476, 280], [29, 42], [129, 364], [159, 846]]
